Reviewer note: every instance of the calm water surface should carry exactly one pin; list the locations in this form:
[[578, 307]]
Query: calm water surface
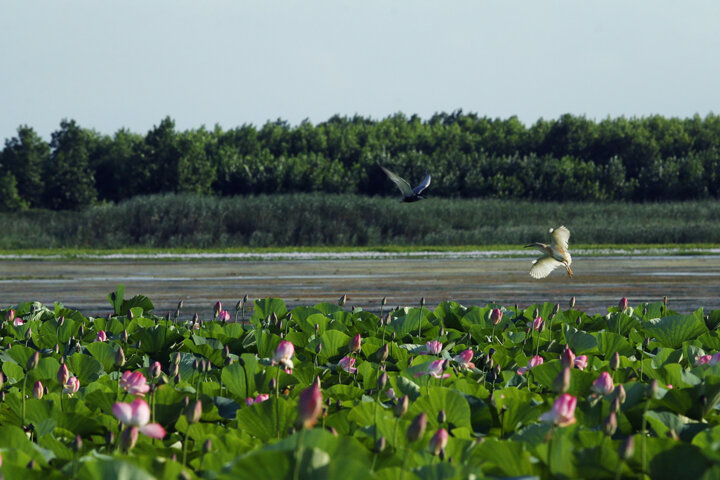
[[689, 282]]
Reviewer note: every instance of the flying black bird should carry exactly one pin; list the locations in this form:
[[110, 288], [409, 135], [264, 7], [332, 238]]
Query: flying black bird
[[554, 255], [409, 194]]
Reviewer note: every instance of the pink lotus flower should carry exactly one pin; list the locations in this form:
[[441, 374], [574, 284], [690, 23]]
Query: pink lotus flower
[[435, 369], [134, 383], [356, 343], [623, 304], [71, 386], [563, 411], [63, 374], [567, 357], [538, 323], [496, 316], [10, 315], [283, 354], [155, 369], [101, 336], [347, 364], [258, 399], [438, 441], [532, 363], [310, 405], [433, 347], [223, 316], [669, 386], [38, 390], [18, 322], [581, 362], [137, 414], [703, 360], [463, 359], [603, 384]]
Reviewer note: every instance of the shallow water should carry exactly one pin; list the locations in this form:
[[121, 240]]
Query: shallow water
[[689, 282]]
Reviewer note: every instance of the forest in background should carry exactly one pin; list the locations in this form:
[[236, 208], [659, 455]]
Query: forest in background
[[566, 159]]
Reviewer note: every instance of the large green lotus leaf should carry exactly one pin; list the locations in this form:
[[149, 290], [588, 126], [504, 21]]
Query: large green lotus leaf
[[666, 355], [713, 319], [504, 458], [307, 324], [344, 392], [47, 335], [266, 343], [663, 455], [239, 379], [267, 306], [13, 372], [116, 298], [558, 453], [673, 330], [620, 322], [407, 324], [302, 312], [18, 354], [476, 316], [441, 471], [454, 403], [158, 338], [522, 407], [610, 342], [260, 419], [449, 314], [84, 367], [405, 386], [103, 352], [395, 473], [105, 468], [580, 343], [334, 344], [45, 370], [663, 422], [710, 341], [322, 439], [327, 308], [13, 437], [341, 320]]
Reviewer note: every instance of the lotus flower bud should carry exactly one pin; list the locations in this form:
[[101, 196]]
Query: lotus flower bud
[[603, 385], [615, 361], [10, 316], [568, 357], [422, 302], [309, 405], [392, 336], [572, 302], [562, 381], [124, 336], [272, 384], [623, 304], [652, 388], [31, 464], [176, 358], [673, 434], [620, 393], [627, 448], [379, 445], [610, 425], [63, 374], [109, 438], [615, 405], [129, 438], [60, 321], [32, 361], [417, 428], [238, 305], [77, 443], [174, 370], [438, 441], [665, 300], [216, 309], [356, 344], [496, 316], [383, 352], [342, 300], [119, 357], [155, 370], [56, 349], [556, 309], [28, 334], [207, 446], [318, 348], [38, 390], [442, 417], [402, 406], [194, 412], [382, 381], [196, 364], [2, 380]]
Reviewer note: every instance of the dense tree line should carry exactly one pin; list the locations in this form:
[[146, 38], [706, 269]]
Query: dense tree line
[[571, 158]]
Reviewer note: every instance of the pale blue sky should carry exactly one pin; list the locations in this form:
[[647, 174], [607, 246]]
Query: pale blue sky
[[113, 64]]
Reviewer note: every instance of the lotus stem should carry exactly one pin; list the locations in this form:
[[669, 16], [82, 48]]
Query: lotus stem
[[298, 454], [185, 444], [277, 402], [23, 399]]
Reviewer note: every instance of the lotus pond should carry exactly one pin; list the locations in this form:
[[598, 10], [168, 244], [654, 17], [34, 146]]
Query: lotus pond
[[333, 391]]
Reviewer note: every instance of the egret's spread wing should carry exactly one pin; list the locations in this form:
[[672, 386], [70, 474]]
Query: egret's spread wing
[[422, 185], [543, 266], [561, 235], [402, 184]]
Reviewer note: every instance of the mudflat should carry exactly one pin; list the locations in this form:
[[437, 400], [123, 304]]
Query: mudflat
[[690, 282]]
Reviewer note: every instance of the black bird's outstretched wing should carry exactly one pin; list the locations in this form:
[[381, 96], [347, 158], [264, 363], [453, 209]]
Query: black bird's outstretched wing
[[422, 186], [401, 183]]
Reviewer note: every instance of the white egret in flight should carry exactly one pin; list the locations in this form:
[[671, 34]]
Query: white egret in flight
[[409, 194], [553, 255]]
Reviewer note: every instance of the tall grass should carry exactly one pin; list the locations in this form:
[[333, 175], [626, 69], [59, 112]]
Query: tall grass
[[324, 219]]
